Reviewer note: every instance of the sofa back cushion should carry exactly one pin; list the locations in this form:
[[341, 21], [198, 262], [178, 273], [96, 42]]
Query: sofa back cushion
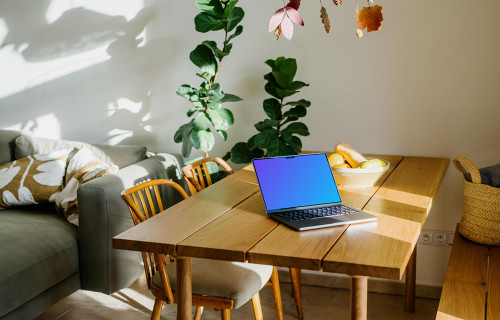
[[7, 145], [121, 156]]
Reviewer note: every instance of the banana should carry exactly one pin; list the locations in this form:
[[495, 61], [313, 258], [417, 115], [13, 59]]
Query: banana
[[351, 155]]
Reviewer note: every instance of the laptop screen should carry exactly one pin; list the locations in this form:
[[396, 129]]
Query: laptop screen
[[296, 181]]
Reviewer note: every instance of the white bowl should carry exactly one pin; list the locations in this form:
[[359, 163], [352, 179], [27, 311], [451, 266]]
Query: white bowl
[[356, 177]]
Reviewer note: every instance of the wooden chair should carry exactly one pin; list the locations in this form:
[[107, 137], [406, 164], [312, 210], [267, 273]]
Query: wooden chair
[[215, 284], [198, 178]]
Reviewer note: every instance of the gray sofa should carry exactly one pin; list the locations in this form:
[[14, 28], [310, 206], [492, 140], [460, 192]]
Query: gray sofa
[[44, 258]]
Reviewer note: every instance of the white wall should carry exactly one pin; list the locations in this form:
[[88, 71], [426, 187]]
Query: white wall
[[107, 72]]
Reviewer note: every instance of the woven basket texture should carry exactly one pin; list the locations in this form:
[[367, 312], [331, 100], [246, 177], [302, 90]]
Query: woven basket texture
[[480, 221]]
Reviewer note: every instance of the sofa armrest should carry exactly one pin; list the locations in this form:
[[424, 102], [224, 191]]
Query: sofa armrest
[[103, 215]]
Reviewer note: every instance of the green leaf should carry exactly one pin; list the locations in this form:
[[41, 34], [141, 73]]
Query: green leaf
[[201, 122], [187, 146], [212, 7], [292, 141], [279, 148], [203, 140], [223, 134], [296, 85], [183, 132], [285, 93], [216, 93], [296, 112], [205, 22], [297, 128], [240, 153], [204, 58], [187, 91], [272, 107], [284, 72], [218, 121], [250, 143], [266, 124], [265, 138], [235, 17], [271, 63], [301, 102], [214, 104], [212, 45], [227, 49], [229, 8], [193, 110], [237, 32], [230, 98], [271, 89], [227, 117]]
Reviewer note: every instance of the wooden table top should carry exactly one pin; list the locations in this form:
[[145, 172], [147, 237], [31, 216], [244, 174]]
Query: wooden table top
[[227, 221]]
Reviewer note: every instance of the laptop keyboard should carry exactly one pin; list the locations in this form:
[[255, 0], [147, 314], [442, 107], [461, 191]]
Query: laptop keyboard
[[307, 214]]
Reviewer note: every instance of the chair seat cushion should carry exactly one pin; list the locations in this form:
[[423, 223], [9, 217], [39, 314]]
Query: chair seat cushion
[[38, 250], [234, 280]]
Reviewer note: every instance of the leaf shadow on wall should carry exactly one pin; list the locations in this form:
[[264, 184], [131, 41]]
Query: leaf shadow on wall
[[100, 98]]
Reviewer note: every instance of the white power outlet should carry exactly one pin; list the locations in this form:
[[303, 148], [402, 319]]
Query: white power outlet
[[436, 237]]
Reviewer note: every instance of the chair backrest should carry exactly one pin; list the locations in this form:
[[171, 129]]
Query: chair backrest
[[144, 201], [197, 173]]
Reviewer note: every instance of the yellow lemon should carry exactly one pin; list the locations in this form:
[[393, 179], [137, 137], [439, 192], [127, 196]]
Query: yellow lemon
[[335, 159], [372, 163]]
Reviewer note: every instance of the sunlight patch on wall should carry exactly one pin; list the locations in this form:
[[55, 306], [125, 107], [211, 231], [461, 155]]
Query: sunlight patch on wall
[[128, 8], [118, 135], [76, 37], [46, 126]]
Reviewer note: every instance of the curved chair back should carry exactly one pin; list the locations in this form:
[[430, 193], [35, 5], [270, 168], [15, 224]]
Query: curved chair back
[[145, 201], [198, 176]]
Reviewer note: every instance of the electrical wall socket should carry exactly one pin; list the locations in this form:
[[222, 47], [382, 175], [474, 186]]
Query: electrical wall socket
[[436, 237]]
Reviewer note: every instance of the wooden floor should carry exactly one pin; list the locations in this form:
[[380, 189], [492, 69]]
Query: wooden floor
[[319, 303]]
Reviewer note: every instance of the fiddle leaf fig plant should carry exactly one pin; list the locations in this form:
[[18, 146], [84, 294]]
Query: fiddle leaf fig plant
[[278, 134], [207, 113]]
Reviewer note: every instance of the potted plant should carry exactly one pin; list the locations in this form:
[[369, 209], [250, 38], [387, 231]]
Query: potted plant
[[207, 114], [279, 133]]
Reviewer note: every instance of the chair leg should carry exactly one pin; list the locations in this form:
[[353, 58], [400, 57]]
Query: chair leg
[[155, 315], [225, 314], [275, 282], [295, 276], [199, 311], [257, 307]]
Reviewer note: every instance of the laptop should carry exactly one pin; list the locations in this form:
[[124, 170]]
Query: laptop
[[300, 192]]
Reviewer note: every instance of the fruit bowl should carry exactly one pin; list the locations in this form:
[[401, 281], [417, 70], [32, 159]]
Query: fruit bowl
[[357, 177]]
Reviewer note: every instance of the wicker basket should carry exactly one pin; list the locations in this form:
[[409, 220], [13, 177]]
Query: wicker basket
[[481, 217]]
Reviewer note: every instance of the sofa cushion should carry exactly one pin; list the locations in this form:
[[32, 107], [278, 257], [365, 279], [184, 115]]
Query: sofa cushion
[[7, 145], [121, 156], [33, 179], [39, 250]]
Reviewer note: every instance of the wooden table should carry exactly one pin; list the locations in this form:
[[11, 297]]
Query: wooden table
[[227, 221]]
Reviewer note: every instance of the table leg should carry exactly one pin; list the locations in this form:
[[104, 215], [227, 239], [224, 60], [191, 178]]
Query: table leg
[[411, 276], [184, 289], [359, 297]]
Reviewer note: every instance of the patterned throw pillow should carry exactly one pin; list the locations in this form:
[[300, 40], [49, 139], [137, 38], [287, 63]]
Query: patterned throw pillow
[[83, 166], [33, 179]]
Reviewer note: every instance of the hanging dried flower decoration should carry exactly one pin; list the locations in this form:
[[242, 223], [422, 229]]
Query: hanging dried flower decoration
[[282, 20]]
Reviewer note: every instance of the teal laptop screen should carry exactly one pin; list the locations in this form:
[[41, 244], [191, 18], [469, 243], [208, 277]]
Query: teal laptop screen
[[296, 181]]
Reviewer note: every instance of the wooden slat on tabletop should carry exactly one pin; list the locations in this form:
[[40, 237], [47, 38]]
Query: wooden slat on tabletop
[[494, 284], [164, 231], [229, 237], [246, 174], [464, 289], [289, 248], [305, 249], [383, 248]]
